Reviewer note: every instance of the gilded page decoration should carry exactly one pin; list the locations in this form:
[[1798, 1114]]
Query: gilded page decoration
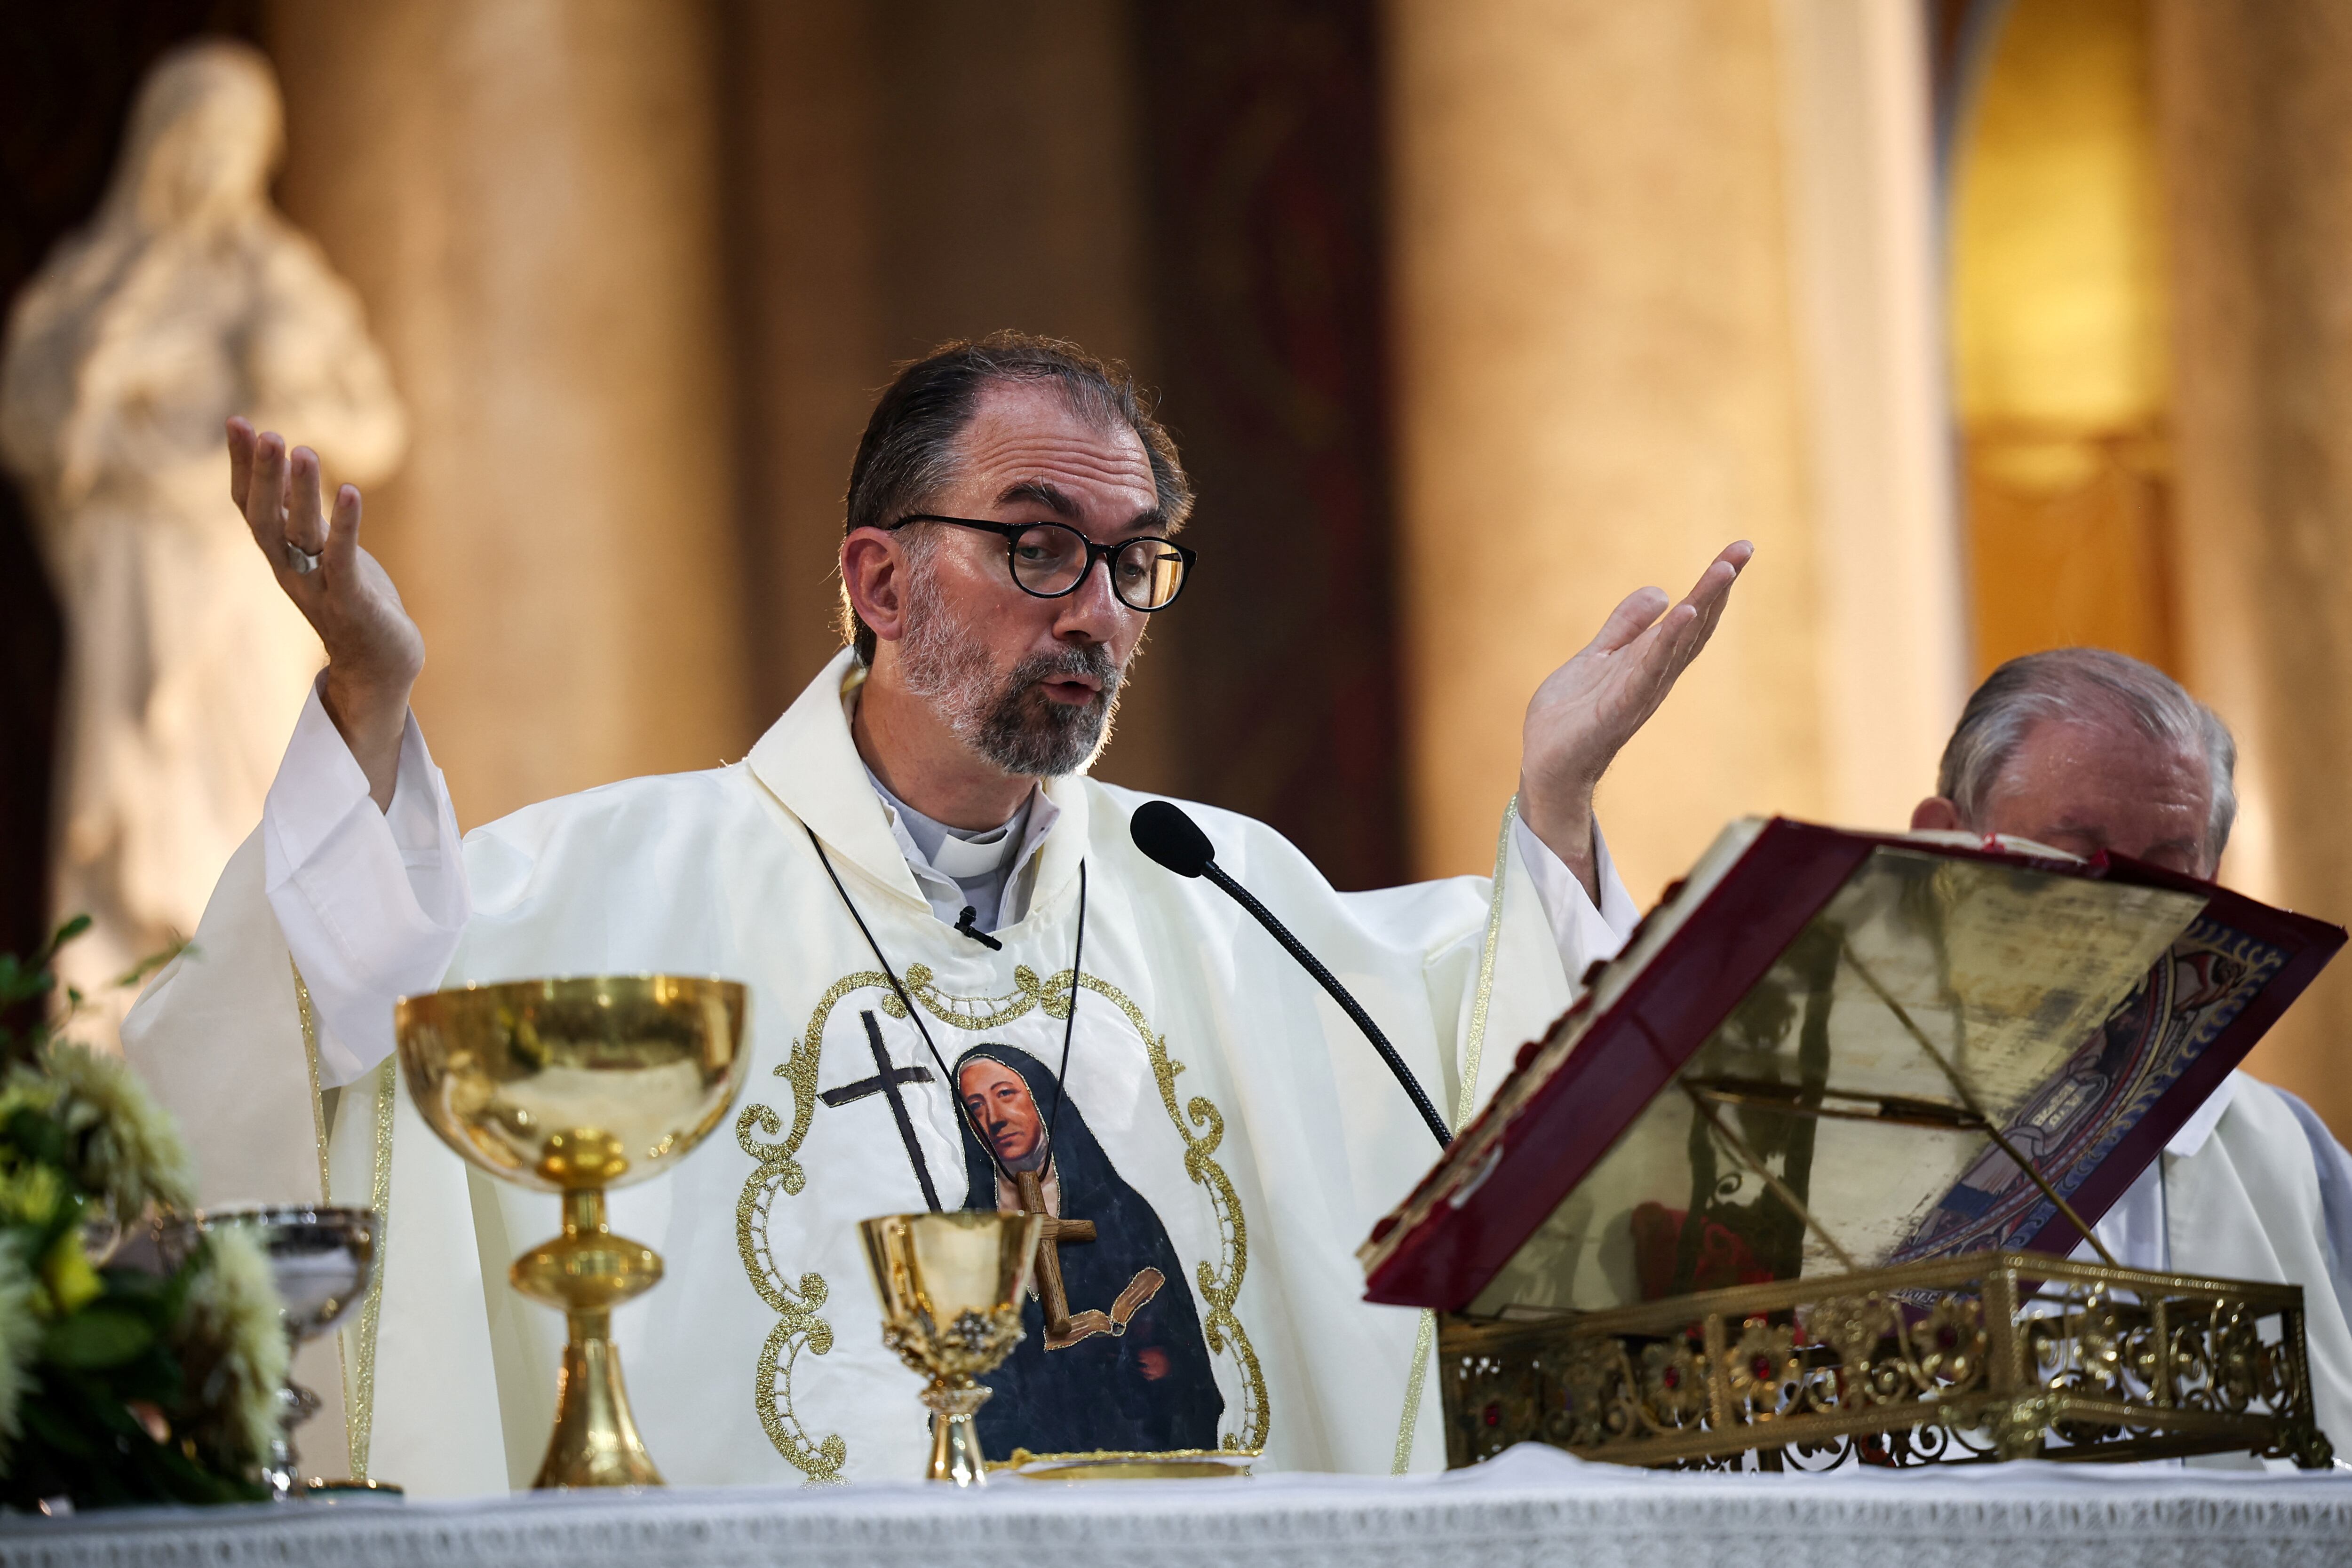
[[2074, 1121]]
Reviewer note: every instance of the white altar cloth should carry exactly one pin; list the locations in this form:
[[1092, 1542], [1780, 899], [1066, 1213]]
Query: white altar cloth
[[1531, 1506]]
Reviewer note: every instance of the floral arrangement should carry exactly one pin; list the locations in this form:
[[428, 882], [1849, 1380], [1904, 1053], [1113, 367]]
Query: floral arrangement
[[118, 1384]]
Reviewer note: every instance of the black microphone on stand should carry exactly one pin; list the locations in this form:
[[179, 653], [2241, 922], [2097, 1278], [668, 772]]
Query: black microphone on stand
[[1162, 831]]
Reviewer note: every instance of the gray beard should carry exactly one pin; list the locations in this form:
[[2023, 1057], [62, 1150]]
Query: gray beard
[[1006, 719]]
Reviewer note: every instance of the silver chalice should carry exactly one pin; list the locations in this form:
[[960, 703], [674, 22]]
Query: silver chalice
[[323, 1261]]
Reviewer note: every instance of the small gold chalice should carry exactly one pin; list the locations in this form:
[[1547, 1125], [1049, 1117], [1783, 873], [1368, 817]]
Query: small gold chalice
[[323, 1260], [574, 1086], [952, 1286]]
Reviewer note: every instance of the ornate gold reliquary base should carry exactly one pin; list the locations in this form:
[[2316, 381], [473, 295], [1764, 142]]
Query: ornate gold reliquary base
[[1998, 1355]]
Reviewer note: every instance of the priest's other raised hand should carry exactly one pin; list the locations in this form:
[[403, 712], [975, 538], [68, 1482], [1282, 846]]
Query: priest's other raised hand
[[1586, 710], [373, 649]]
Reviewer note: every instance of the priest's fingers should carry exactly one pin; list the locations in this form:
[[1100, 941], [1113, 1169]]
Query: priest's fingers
[[1682, 632], [1714, 584], [240, 461], [1713, 589], [1639, 614], [1662, 654], [1658, 656], [343, 539], [265, 500], [1634, 614], [305, 527], [1708, 598]]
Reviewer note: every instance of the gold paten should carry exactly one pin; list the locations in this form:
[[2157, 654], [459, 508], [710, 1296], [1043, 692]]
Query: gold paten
[[1130, 1465], [576, 1086], [952, 1286], [1995, 1355]]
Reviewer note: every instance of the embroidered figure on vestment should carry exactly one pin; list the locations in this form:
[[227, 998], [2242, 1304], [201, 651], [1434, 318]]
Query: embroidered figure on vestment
[[1131, 1371], [800, 1300]]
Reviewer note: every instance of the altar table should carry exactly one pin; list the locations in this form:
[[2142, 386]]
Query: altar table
[[1531, 1506]]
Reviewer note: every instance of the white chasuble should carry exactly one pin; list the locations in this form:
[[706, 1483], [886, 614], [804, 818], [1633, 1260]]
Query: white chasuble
[[1222, 1124]]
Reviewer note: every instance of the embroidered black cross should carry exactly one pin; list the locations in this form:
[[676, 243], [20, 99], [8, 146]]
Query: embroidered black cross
[[885, 1081], [850, 1093]]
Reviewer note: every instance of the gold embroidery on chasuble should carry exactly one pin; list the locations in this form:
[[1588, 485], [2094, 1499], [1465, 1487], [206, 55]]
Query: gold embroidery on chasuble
[[359, 1389], [779, 1173]]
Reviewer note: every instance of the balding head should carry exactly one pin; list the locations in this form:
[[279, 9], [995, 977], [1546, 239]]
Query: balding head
[[2086, 750]]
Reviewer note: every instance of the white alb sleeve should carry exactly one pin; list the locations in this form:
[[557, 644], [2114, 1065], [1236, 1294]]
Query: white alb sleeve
[[1585, 931], [372, 903]]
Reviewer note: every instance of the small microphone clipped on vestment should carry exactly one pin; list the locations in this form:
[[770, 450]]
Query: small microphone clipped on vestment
[[1162, 831], [965, 927]]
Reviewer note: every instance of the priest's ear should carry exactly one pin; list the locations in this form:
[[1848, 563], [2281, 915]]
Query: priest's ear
[[1936, 814], [874, 574]]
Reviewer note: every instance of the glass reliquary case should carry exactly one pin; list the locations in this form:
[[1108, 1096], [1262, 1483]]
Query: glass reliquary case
[[1796, 1181]]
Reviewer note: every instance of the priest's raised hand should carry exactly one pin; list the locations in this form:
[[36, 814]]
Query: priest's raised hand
[[373, 649], [960, 966], [1585, 711]]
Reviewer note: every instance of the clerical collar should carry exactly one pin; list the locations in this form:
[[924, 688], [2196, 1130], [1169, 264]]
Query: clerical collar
[[958, 853], [956, 868]]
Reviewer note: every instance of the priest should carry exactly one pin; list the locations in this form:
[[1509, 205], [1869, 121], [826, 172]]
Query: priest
[[2089, 751], [926, 895]]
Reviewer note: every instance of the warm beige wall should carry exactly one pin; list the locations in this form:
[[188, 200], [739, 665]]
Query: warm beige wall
[[1648, 302], [2258, 153], [525, 193]]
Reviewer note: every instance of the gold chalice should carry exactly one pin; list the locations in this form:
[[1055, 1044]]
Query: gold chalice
[[574, 1086], [952, 1286]]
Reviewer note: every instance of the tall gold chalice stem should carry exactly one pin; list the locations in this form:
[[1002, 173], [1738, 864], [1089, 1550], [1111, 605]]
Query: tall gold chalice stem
[[951, 1287], [576, 1086]]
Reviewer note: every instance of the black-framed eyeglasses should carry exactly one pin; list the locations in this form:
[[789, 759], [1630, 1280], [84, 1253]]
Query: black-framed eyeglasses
[[1051, 560]]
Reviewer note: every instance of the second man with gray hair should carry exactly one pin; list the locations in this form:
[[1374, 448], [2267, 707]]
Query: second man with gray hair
[[2091, 752]]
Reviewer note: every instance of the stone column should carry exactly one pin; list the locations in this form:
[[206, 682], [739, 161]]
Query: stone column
[[803, 83], [525, 193], [2259, 168], [1891, 645], [1648, 301], [887, 193]]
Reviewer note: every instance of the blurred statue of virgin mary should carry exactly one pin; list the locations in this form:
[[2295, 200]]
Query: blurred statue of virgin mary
[[187, 298]]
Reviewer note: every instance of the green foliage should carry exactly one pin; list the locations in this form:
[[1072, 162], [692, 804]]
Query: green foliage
[[28, 1016], [97, 1338], [96, 1400]]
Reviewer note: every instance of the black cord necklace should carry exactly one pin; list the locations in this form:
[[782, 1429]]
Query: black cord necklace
[[955, 1097]]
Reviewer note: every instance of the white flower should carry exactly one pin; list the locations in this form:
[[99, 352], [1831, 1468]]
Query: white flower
[[124, 1144], [20, 1337], [232, 1349]]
